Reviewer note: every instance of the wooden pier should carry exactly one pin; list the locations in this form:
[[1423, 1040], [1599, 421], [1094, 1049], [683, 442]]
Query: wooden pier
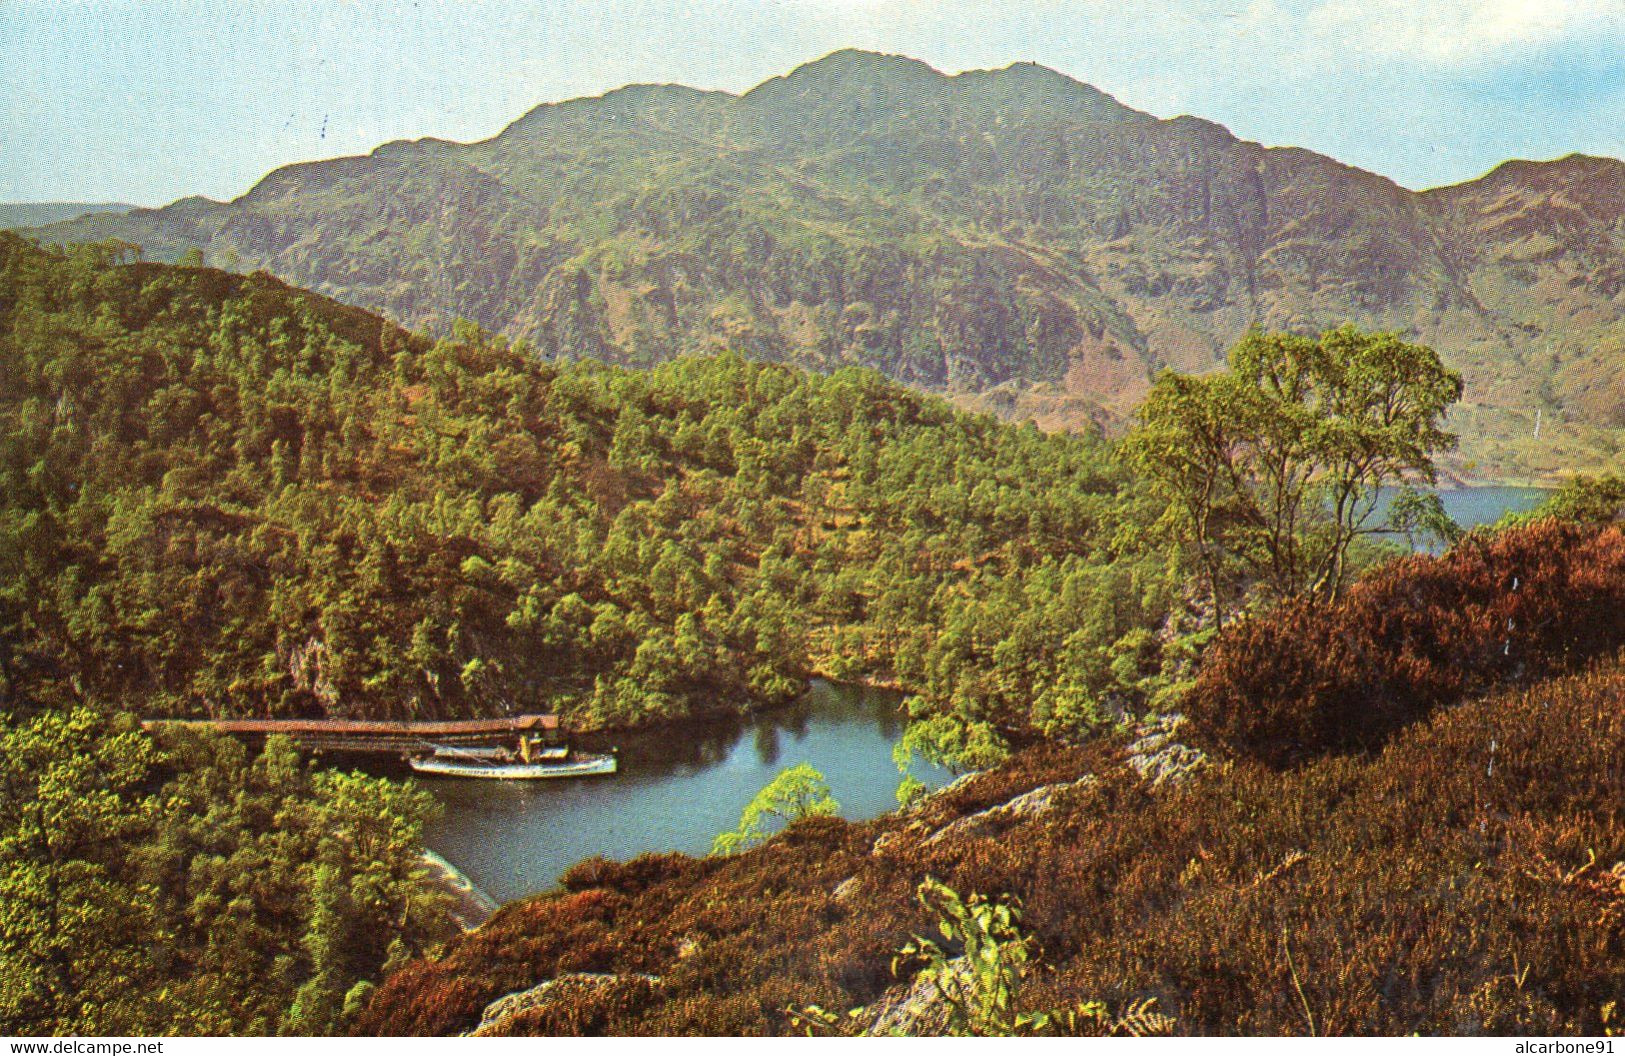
[[380, 737]]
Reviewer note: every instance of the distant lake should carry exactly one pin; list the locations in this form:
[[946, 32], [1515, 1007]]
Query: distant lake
[[1471, 507], [677, 788]]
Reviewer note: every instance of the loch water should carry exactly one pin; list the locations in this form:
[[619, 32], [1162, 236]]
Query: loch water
[[1472, 507], [678, 786]]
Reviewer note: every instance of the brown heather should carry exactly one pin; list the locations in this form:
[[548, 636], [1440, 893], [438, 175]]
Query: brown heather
[[1421, 632], [1458, 879]]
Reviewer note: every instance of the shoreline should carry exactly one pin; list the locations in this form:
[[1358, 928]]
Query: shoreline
[[725, 713], [471, 907], [1459, 482]]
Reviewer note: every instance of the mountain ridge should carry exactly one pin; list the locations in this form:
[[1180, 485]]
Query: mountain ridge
[[1011, 227], [35, 214]]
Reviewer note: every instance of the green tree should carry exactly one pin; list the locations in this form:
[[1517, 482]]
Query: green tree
[[1586, 499], [798, 792], [73, 925], [178, 885], [947, 740], [217, 492], [1272, 469]]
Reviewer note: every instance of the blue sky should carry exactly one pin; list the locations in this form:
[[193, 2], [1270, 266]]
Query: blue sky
[[149, 100]]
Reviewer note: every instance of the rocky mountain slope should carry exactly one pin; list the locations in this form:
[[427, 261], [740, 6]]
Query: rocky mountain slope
[[1011, 235]]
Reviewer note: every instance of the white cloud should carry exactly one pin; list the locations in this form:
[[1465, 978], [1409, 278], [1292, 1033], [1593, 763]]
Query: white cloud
[[1453, 32]]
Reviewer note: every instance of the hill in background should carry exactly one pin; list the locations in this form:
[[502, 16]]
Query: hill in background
[[38, 214], [220, 494], [1012, 236]]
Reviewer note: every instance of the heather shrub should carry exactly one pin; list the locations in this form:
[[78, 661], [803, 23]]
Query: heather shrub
[[1419, 633], [627, 878], [798, 792], [589, 1013], [976, 982], [1465, 875]]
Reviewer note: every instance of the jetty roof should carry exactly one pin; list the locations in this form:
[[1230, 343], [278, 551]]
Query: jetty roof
[[371, 728]]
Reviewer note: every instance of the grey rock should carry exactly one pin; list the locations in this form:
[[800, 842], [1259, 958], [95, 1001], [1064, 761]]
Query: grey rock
[[918, 1009], [1028, 805], [893, 840], [922, 803], [1158, 756], [543, 995]]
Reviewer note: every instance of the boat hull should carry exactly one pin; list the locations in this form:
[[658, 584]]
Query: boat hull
[[589, 766]]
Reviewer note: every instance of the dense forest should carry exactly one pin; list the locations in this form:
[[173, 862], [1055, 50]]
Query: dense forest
[[220, 495], [226, 496], [177, 884]]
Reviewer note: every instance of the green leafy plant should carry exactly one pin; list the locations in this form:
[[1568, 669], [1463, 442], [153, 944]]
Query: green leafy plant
[[959, 744], [982, 985], [1585, 499], [975, 976], [798, 792]]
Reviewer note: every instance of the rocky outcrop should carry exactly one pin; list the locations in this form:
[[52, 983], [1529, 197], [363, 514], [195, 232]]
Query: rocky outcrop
[[470, 907], [565, 989], [921, 804], [916, 1009], [893, 841], [1158, 756], [1029, 805]]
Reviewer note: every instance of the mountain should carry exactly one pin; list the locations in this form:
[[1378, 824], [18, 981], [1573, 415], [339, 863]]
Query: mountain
[[1013, 236], [38, 214]]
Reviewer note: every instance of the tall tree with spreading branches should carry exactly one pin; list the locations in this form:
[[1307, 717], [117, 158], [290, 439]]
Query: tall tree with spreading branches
[[1272, 469]]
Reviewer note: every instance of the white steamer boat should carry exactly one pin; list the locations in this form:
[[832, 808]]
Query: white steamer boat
[[552, 761]]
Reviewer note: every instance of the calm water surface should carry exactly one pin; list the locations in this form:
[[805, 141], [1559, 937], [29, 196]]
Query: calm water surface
[[1471, 507], [677, 788]]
